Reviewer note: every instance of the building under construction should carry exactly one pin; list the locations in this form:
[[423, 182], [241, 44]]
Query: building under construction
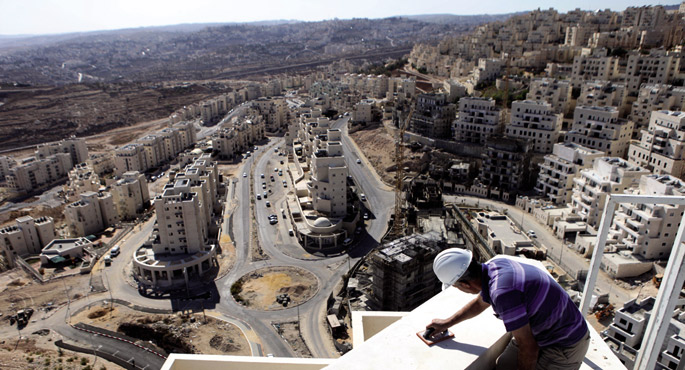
[[403, 275]]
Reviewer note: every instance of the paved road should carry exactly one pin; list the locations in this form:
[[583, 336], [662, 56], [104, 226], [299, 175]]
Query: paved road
[[573, 261]]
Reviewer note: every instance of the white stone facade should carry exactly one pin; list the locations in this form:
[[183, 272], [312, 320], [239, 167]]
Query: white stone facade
[[592, 67], [131, 195], [92, 214], [555, 179], [662, 145], [33, 173], [655, 97], [600, 128], [478, 119], [536, 122], [553, 91], [26, 238]]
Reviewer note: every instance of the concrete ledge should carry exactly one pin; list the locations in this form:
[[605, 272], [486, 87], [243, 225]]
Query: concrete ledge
[[214, 362]]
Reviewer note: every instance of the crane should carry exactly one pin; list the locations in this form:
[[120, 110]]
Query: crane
[[396, 229]]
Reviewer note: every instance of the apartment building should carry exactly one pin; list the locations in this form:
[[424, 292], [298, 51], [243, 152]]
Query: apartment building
[[6, 163], [600, 128], [433, 116], [661, 148], [599, 93], [654, 97], [363, 111], [478, 119], [26, 238], [403, 275], [328, 185], [555, 179], [659, 67], [487, 70], [595, 66], [626, 331], [93, 213], [75, 147], [36, 173], [274, 111], [536, 122], [131, 195], [180, 248], [155, 149], [649, 230], [238, 137], [505, 164], [102, 163], [82, 178], [608, 175], [553, 91]]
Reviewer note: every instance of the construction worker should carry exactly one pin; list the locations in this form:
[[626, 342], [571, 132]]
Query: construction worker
[[548, 330]]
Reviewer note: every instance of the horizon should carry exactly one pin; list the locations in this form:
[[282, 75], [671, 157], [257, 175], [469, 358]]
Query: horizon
[[32, 18]]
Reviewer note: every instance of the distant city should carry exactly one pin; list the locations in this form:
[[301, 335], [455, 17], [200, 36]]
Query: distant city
[[273, 195]]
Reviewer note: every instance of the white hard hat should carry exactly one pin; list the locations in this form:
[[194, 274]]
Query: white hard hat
[[451, 264]]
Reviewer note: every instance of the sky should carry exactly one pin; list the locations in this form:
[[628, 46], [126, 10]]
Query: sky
[[33, 17]]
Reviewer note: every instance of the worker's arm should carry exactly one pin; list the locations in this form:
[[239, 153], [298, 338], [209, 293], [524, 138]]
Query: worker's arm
[[471, 309], [528, 348]]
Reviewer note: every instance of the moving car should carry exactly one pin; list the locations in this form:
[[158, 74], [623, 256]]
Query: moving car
[[531, 233], [115, 251], [359, 161], [362, 197], [244, 174], [259, 197], [268, 204]]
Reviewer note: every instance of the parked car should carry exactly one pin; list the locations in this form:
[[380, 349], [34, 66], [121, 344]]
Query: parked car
[[366, 216], [362, 197], [291, 232], [262, 176], [115, 251], [108, 260]]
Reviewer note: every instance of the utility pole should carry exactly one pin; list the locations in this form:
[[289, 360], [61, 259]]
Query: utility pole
[[298, 321], [109, 287]]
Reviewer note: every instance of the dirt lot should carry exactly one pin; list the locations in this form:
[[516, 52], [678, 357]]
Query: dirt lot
[[260, 288], [19, 291], [33, 116], [180, 334], [291, 333], [378, 145]]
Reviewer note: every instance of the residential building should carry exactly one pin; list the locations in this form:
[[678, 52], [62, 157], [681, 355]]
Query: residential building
[[75, 147], [505, 164], [555, 179], [536, 122], [661, 148], [92, 214], [478, 119], [36, 173], [238, 137], [130, 194], [6, 164], [26, 238], [600, 128], [363, 111], [402, 271], [155, 149], [82, 178], [487, 70], [102, 163], [626, 331], [608, 175], [553, 91], [328, 186], [433, 116], [655, 97], [181, 247], [659, 67], [274, 111], [59, 250], [649, 230], [595, 66], [599, 93]]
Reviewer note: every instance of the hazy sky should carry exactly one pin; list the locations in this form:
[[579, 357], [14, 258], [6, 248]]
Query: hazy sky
[[60, 16]]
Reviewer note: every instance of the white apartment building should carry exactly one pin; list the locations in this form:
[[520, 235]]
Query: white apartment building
[[155, 149], [648, 230], [593, 67], [363, 111], [658, 67], [26, 238], [599, 93], [238, 137], [101, 163], [600, 128], [655, 97], [180, 248], [6, 163], [662, 145], [505, 164], [75, 147], [274, 111], [35, 173], [328, 183], [553, 91], [82, 178], [131, 195], [608, 175], [478, 119], [92, 214], [555, 179], [534, 121], [488, 69], [433, 116]]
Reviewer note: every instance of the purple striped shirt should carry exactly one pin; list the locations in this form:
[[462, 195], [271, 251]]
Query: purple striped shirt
[[522, 294]]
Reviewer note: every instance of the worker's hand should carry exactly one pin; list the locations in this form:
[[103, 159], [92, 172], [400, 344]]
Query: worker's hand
[[439, 325]]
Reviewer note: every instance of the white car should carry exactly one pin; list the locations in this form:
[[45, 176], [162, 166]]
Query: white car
[[531, 233], [362, 197], [359, 161], [244, 174]]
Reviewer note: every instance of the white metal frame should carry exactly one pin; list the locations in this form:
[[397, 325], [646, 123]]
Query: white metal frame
[[672, 282]]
